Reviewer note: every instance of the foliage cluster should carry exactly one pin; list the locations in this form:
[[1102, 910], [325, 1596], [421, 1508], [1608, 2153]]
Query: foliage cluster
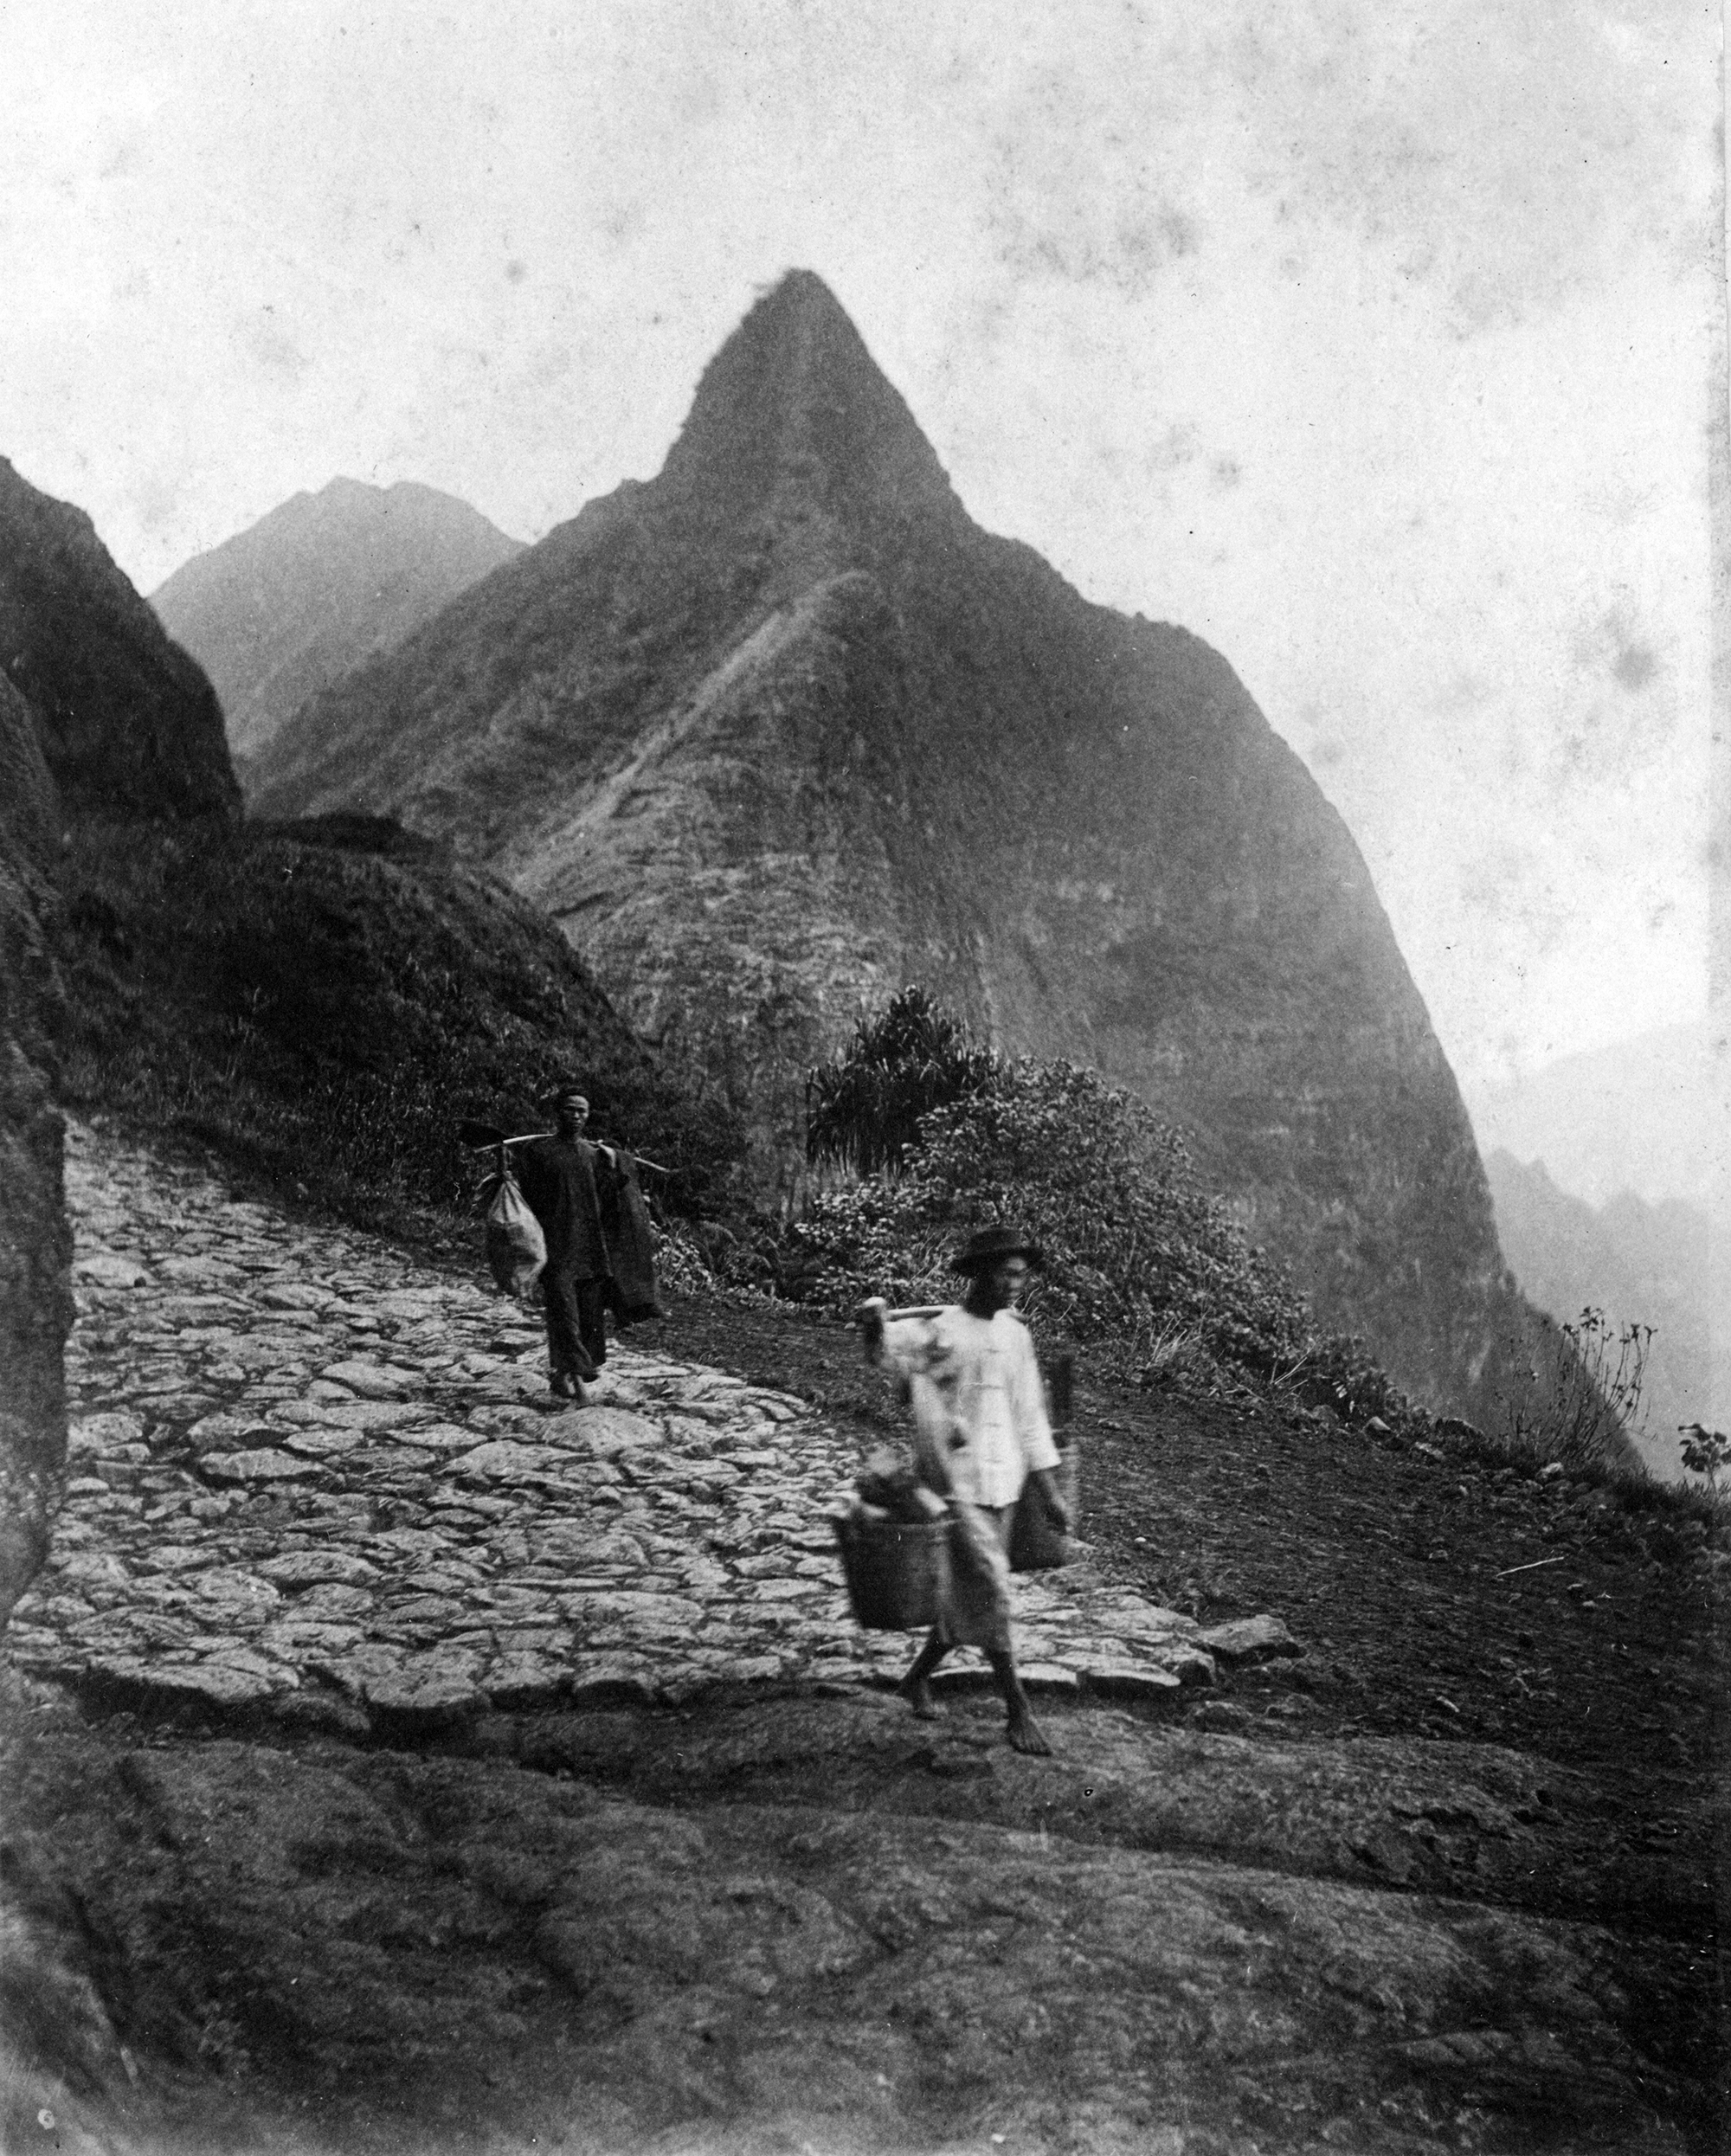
[[1574, 1395], [1340, 1371], [863, 1110], [1149, 1270], [1705, 1452], [323, 1002], [1139, 1261]]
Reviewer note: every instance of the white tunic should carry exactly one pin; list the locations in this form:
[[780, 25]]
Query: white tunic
[[977, 1398]]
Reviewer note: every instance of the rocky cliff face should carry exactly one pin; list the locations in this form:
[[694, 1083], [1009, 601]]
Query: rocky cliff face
[[101, 716], [36, 1245], [784, 728], [129, 727], [322, 583]]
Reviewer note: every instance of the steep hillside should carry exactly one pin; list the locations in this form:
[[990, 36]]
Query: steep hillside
[[129, 724], [784, 728], [1640, 1264], [325, 1001], [282, 609]]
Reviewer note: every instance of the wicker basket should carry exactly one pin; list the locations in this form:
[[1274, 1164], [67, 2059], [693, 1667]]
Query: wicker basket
[[898, 1573]]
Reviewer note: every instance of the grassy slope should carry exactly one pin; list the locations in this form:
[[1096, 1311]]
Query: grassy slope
[[323, 1002]]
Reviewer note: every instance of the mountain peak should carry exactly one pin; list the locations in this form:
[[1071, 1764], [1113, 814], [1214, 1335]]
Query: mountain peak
[[319, 585], [794, 413], [350, 505]]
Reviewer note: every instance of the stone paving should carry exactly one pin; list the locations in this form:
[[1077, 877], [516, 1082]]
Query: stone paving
[[311, 1477]]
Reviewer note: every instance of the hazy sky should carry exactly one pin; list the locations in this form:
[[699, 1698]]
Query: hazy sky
[[1375, 343]]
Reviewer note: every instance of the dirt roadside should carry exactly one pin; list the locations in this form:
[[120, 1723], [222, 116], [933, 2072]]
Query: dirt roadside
[[1436, 1597]]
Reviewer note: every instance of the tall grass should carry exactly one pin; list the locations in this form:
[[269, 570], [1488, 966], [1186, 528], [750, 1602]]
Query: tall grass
[[1573, 1398]]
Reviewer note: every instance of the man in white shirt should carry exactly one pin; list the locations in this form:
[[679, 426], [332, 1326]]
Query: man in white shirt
[[980, 1410]]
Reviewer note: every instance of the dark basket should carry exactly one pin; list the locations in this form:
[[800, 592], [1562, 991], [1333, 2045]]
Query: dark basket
[[1035, 1544], [898, 1573]]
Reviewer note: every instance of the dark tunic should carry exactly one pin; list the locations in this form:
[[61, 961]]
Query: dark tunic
[[630, 1245], [558, 1178]]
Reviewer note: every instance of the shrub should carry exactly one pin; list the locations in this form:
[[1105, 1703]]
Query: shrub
[[1573, 1398], [863, 1110], [1138, 1260], [1705, 1452], [1341, 1372]]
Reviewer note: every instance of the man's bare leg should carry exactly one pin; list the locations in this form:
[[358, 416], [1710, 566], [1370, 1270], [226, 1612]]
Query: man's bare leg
[[1024, 1732], [916, 1687]]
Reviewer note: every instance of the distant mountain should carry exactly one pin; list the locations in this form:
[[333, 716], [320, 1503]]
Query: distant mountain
[[325, 581], [128, 725], [1640, 1264], [784, 728], [1638, 1116]]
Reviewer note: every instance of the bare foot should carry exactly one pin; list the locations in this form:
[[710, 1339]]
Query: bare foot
[[1026, 1735], [917, 1694]]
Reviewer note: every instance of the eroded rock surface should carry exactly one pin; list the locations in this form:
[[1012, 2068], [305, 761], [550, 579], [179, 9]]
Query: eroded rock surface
[[444, 1953]]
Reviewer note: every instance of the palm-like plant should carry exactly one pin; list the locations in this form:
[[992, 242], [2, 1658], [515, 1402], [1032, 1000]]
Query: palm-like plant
[[862, 1110]]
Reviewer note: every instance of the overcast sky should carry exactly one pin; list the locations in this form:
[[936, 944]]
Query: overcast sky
[[1375, 343]]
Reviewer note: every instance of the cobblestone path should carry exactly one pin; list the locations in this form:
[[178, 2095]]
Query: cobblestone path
[[313, 1478]]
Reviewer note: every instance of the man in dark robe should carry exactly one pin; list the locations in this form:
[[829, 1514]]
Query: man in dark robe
[[557, 1177]]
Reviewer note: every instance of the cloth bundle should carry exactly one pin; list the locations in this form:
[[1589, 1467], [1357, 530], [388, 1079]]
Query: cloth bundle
[[516, 1248]]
